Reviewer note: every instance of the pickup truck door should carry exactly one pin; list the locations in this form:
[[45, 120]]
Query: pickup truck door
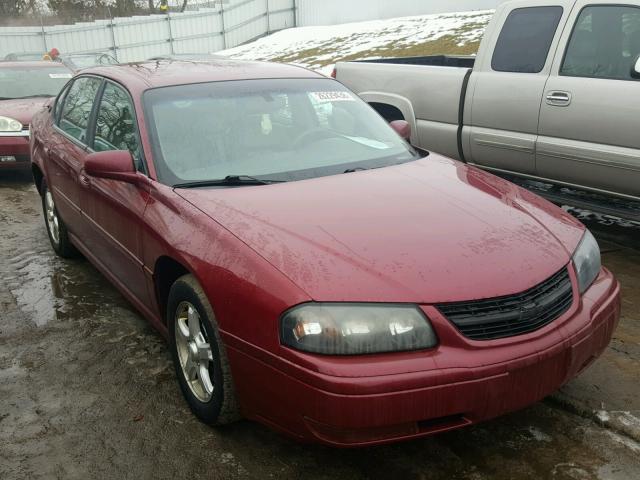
[[589, 119], [505, 89]]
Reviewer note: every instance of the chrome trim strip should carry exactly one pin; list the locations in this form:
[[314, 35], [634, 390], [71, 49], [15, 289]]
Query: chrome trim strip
[[591, 159], [504, 146], [21, 133]]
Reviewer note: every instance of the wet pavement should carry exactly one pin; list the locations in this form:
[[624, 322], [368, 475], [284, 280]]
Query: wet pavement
[[87, 391]]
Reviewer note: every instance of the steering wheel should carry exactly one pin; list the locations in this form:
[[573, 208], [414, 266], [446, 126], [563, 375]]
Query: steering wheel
[[316, 133]]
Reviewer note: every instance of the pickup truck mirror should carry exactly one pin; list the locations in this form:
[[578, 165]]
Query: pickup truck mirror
[[635, 68], [113, 164], [402, 128]]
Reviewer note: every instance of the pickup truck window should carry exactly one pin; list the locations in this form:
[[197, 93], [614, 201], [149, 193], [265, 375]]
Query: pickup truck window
[[525, 39], [604, 44]]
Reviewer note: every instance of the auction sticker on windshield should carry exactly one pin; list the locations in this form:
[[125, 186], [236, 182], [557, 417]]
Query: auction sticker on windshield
[[332, 97]]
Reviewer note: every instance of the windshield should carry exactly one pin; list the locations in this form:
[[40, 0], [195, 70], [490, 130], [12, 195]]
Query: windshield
[[282, 130], [18, 82]]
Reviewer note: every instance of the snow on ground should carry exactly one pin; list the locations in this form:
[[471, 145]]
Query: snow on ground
[[320, 47]]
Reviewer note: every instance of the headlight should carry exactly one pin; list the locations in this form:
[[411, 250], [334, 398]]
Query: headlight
[[356, 328], [9, 125], [587, 261]]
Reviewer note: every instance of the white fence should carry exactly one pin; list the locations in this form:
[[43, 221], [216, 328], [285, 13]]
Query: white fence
[[135, 38], [331, 12]]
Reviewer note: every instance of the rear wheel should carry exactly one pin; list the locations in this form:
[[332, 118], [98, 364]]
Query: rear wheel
[[56, 229], [198, 354]]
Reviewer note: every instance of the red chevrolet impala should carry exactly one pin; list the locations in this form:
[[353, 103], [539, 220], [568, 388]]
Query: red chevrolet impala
[[310, 269], [24, 88]]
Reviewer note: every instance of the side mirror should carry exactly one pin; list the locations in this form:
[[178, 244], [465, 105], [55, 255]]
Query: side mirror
[[113, 164], [635, 68], [402, 128]]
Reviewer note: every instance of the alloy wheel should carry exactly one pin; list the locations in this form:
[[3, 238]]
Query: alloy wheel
[[194, 351], [53, 223]]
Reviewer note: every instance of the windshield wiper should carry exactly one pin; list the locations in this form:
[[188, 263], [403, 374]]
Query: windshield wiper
[[229, 180]]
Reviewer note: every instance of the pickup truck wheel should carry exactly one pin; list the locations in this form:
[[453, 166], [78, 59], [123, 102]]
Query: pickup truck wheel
[[199, 355], [56, 228]]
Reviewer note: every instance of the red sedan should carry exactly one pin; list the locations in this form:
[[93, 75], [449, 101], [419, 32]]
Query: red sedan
[[310, 269], [24, 89]]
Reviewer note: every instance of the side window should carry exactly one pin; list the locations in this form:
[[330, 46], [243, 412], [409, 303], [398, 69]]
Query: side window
[[77, 106], [116, 127], [604, 43], [525, 39], [59, 102]]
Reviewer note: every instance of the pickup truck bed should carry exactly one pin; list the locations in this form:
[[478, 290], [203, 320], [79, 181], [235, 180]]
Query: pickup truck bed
[[436, 86]]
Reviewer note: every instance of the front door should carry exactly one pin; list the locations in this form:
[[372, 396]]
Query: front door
[[114, 208], [506, 87], [589, 119]]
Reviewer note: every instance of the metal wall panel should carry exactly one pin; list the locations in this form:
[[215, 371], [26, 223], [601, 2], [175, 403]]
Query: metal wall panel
[[140, 37]]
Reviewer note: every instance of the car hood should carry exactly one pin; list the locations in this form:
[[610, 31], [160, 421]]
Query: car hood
[[429, 231], [22, 109]]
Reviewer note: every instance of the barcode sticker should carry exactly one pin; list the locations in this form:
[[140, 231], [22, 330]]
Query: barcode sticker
[[332, 97]]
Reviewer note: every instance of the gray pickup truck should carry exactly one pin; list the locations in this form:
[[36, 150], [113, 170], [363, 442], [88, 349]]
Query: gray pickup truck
[[552, 95]]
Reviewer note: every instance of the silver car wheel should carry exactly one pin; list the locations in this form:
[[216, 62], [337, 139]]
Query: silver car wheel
[[194, 351], [53, 223]]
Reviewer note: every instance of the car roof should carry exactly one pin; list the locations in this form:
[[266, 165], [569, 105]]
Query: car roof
[[163, 73], [33, 64]]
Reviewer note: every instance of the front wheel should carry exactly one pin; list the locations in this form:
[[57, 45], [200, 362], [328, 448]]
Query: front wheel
[[56, 228], [198, 354]]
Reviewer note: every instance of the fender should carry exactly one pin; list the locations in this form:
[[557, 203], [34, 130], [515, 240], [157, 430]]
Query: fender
[[401, 103]]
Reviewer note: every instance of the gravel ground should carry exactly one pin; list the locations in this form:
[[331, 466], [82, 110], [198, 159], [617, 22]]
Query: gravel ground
[[87, 391]]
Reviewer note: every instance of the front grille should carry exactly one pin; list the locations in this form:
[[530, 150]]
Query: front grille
[[512, 315]]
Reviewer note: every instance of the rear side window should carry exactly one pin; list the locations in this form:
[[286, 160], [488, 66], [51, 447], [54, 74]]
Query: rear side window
[[525, 39], [604, 44], [77, 106]]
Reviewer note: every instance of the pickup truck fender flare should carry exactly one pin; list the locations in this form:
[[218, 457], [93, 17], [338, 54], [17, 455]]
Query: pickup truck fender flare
[[401, 103]]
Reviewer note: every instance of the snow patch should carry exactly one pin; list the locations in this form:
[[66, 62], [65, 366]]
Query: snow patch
[[539, 435], [602, 416], [317, 47]]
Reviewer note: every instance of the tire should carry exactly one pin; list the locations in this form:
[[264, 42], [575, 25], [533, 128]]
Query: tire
[[187, 302], [56, 228]]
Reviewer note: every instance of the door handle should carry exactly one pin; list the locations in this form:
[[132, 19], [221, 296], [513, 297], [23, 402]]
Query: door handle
[[85, 181], [558, 98]]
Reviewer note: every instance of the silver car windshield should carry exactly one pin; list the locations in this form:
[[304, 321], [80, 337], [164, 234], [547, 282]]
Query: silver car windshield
[[269, 129], [21, 82]]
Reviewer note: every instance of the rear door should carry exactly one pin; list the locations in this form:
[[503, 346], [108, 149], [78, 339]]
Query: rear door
[[114, 208], [589, 119], [67, 149], [507, 83]]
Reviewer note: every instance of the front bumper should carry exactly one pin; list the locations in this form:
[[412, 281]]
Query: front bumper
[[460, 383], [16, 146]]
